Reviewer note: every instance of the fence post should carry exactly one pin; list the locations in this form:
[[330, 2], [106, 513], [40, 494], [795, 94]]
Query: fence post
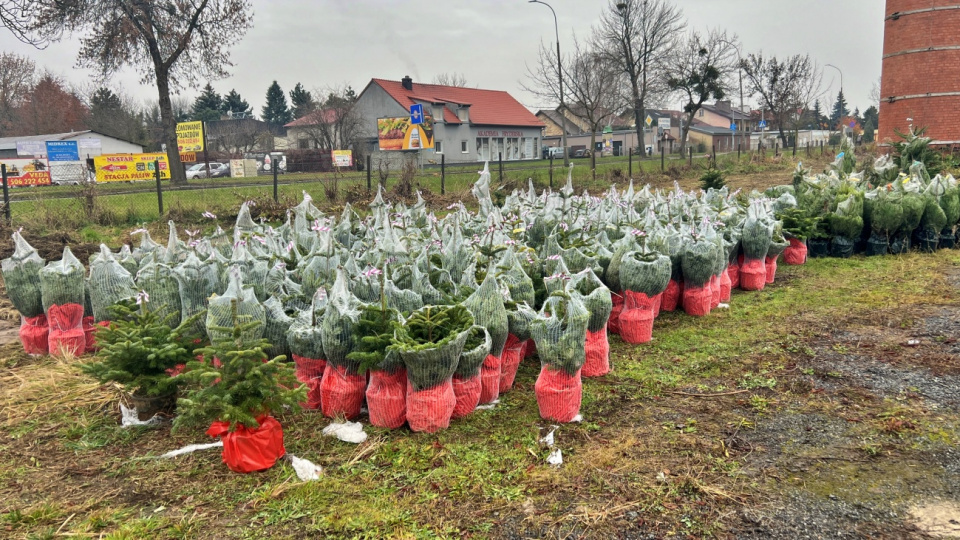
[[500, 160], [630, 162], [369, 186], [662, 167], [443, 173], [738, 152], [156, 171], [713, 152], [276, 165], [690, 163], [6, 193], [776, 149], [794, 147], [551, 171]]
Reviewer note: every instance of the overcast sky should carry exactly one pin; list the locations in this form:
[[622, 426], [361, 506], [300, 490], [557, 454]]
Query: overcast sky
[[328, 42]]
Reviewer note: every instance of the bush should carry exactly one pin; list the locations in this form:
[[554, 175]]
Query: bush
[[712, 179]]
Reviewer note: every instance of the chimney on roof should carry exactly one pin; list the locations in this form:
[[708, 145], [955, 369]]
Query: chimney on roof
[[724, 106], [407, 82]]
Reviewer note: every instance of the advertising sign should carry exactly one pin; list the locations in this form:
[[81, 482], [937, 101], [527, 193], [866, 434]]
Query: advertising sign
[[130, 167], [342, 158], [63, 151], [188, 157], [236, 168], [663, 123], [400, 134], [31, 148], [190, 137], [26, 172]]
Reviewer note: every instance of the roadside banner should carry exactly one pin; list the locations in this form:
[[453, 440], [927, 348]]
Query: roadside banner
[[399, 134], [342, 158], [31, 148], [26, 172], [63, 151], [190, 137], [130, 167], [188, 157]]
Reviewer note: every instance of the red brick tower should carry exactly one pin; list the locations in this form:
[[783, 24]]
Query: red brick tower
[[921, 70]]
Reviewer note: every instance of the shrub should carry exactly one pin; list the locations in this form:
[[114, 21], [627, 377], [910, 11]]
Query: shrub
[[712, 179]]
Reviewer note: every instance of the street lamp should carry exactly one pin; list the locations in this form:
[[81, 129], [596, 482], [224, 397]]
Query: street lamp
[[740, 76], [563, 128], [842, 129]]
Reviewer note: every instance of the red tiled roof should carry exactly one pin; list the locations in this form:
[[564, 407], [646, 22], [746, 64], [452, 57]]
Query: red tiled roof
[[317, 117], [487, 107]]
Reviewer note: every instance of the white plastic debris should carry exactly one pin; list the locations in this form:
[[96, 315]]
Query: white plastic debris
[[548, 438], [129, 417], [578, 418], [555, 458], [351, 432], [488, 406], [306, 469], [913, 342], [189, 449], [723, 306]]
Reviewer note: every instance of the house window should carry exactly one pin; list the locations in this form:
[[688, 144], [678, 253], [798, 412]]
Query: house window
[[463, 147], [463, 114], [438, 113], [303, 144], [438, 147], [700, 113]]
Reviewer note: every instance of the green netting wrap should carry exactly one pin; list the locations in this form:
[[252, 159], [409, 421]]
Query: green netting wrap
[[559, 276], [61, 282], [275, 329], [192, 288], [109, 283], [596, 298], [430, 343], [933, 218], [21, 277], [366, 286], [339, 321], [510, 272], [304, 336], [612, 275], [847, 220], [886, 215], [404, 301], [475, 350], [699, 261], [127, 259], [486, 305], [645, 272], [147, 246], [778, 243], [158, 280], [913, 206], [756, 236], [950, 203], [237, 305], [560, 333], [518, 320], [422, 286]]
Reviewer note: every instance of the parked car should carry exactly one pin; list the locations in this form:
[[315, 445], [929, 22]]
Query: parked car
[[219, 170], [199, 170], [555, 152], [580, 153]]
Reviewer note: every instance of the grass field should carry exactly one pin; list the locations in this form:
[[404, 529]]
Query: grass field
[[757, 421]]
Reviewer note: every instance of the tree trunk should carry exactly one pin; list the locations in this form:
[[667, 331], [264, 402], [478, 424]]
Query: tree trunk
[[177, 174], [685, 133], [638, 117], [593, 151]]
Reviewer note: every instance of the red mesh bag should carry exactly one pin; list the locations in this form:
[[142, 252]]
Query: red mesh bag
[[249, 450], [753, 275], [490, 376], [530, 349], [310, 373], [714, 292], [341, 393], [89, 331], [770, 266], [598, 354], [613, 323], [558, 394], [467, 394], [66, 329], [671, 296], [697, 300], [657, 301], [733, 271], [796, 253], [387, 398], [636, 321], [725, 286], [513, 352], [34, 334], [430, 410]]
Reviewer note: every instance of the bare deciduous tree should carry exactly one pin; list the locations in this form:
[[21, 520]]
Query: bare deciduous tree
[[171, 43], [592, 85], [451, 79], [784, 87], [637, 35], [336, 124], [699, 70], [18, 74], [239, 136]]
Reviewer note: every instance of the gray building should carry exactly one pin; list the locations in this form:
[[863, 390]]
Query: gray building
[[470, 124]]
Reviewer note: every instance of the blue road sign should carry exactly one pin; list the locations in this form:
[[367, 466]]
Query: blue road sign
[[733, 127], [63, 151], [762, 124], [416, 114]]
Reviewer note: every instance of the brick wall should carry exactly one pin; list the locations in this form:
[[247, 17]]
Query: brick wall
[[921, 72]]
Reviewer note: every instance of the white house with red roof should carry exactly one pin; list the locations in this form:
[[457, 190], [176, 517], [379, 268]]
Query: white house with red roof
[[470, 124]]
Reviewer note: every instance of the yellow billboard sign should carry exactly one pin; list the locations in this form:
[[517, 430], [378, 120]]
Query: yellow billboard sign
[[342, 158], [190, 137], [130, 167], [188, 157], [399, 134]]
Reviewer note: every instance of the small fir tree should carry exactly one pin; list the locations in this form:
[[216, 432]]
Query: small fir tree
[[208, 105], [276, 110], [237, 382], [301, 101], [236, 105]]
